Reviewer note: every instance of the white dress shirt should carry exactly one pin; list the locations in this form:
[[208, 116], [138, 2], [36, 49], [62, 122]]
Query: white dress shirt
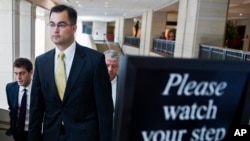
[[68, 59], [114, 85]]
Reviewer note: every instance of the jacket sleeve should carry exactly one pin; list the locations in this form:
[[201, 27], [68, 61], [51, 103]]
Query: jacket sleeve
[[37, 107], [9, 132], [103, 95]]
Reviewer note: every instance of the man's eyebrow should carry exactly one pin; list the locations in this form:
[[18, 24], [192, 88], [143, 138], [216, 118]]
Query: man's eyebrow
[[62, 22], [58, 22]]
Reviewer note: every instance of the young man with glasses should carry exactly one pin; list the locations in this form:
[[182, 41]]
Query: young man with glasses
[[18, 96], [71, 91]]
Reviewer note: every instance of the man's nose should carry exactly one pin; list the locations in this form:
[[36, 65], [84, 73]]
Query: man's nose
[[18, 76], [109, 68]]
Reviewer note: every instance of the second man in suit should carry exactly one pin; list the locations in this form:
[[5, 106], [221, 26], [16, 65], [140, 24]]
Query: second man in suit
[[18, 96], [71, 91]]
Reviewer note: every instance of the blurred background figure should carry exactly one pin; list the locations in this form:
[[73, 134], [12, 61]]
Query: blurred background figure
[[171, 35], [162, 36], [112, 59], [136, 28]]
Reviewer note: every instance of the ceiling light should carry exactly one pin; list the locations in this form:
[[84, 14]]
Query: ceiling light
[[106, 4], [241, 14]]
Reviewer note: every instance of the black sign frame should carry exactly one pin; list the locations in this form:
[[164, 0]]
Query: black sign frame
[[131, 65]]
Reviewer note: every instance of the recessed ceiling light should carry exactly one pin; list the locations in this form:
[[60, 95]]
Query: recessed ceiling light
[[106, 4], [240, 14]]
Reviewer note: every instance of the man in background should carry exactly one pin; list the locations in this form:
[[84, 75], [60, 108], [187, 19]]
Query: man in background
[[112, 59], [18, 96]]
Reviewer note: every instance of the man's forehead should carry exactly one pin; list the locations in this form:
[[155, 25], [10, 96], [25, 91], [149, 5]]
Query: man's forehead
[[59, 15], [16, 69], [111, 60]]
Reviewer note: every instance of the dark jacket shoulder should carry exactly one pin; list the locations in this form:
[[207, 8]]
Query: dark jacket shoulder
[[11, 84]]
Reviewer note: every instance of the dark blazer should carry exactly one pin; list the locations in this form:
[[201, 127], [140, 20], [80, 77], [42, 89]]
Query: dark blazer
[[86, 109], [12, 90]]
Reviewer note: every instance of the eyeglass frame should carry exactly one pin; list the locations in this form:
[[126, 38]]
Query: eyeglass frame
[[58, 25]]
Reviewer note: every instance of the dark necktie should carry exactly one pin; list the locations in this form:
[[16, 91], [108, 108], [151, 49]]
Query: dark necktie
[[22, 113]]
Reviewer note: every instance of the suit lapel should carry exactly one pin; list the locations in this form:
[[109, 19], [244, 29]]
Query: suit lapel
[[117, 86], [51, 66], [51, 72], [15, 93], [77, 64]]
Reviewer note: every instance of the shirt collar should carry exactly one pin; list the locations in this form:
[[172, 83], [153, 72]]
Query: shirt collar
[[27, 88], [114, 80], [69, 51]]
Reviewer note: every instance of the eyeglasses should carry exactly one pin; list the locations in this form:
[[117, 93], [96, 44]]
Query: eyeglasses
[[59, 25]]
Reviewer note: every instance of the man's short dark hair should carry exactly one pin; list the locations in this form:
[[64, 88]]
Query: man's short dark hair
[[72, 14], [23, 63]]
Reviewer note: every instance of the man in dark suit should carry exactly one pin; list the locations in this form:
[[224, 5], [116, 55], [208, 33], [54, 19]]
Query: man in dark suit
[[18, 96], [112, 59], [79, 106]]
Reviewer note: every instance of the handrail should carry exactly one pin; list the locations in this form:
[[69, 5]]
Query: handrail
[[133, 41], [164, 46], [220, 53]]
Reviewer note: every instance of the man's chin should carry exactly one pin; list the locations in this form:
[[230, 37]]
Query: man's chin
[[20, 83], [112, 78], [56, 41]]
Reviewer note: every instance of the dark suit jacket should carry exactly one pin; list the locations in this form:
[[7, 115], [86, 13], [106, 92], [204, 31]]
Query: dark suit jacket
[[86, 109], [12, 90]]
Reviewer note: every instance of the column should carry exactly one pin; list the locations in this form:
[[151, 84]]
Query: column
[[119, 33], [9, 44], [48, 43], [27, 29], [199, 22], [33, 31], [41, 31], [146, 37]]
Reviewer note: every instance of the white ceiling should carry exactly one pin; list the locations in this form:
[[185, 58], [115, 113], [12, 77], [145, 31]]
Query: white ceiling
[[115, 8], [133, 8]]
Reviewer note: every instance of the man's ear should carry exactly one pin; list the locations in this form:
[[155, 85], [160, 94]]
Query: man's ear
[[74, 27]]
